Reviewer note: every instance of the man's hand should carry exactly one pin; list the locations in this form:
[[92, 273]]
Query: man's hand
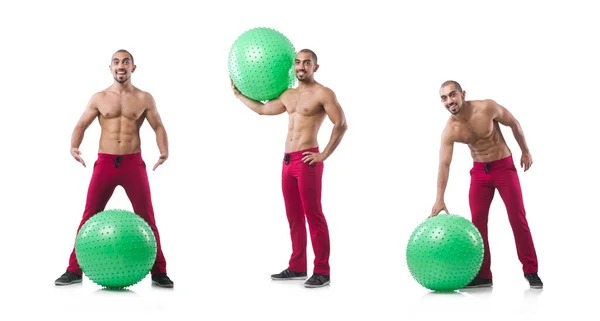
[[161, 160], [526, 161], [75, 152], [312, 158], [437, 208]]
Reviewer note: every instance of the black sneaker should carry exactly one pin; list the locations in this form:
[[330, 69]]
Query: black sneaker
[[317, 280], [534, 280], [289, 275], [68, 278], [479, 283], [162, 280]]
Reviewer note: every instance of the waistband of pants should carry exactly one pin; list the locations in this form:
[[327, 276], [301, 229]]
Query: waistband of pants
[[122, 157], [297, 155], [499, 163]]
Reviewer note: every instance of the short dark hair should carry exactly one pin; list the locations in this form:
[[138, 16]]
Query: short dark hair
[[127, 52], [452, 82], [313, 54]]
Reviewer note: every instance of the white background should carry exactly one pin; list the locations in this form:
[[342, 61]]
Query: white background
[[217, 199]]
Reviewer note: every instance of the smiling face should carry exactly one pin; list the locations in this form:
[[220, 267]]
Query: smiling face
[[305, 66], [452, 98], [122, 66]]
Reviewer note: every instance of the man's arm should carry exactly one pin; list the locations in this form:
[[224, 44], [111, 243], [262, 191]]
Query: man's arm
[[272, 107], [155, 122], [89, 114], [336, 116], [506, 118], [445, 158]]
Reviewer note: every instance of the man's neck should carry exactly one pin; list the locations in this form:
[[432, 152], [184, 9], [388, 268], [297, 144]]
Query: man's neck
[[465, 112], [122, 88], [306, 84]]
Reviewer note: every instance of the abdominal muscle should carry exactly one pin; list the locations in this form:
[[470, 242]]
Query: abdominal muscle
[[119, 136], [302, 132], [489, 150]]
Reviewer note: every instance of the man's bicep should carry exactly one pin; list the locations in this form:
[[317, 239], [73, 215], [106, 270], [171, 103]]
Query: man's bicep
[[152, 114], [90, 113], [333, 108], [273, 107], [446, 149], [501, 114]]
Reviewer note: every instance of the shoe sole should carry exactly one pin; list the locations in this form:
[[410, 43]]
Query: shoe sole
[[478, 286], [162, 285], [66, 283], [536, 286], [316, 286], [292, 278]]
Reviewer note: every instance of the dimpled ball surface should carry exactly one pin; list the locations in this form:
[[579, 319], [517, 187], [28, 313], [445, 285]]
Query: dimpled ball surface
[[115, 248], [445, 252], [261, 63]]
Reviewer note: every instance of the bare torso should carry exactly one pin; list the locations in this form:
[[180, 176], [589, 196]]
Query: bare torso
[[480, 132], [306, 114], [121, 115]]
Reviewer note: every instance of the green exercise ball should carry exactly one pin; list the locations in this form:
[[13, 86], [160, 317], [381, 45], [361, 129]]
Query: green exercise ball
[[261, 63], [115, 248], [445, 252]]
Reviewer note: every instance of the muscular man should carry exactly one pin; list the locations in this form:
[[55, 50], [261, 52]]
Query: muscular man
[[307, 105], [121, 110], [476, 124]]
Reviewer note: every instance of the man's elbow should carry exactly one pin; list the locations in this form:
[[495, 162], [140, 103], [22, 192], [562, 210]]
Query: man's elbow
[[80, 126], [444, 165], [158, 129], [341, 127], [515, 125]]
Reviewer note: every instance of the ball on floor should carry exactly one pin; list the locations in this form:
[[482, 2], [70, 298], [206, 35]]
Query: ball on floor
[[115, 248], [445, 252]]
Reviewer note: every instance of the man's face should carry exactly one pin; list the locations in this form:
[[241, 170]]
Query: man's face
[[452, 98], [304, 66], [121, 67]]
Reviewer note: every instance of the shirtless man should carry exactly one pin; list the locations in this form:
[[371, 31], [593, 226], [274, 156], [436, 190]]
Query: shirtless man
[[121, 110], [476, 123], [307, 105]]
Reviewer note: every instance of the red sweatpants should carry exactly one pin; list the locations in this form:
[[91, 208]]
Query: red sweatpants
[[502, 175], [128, 171], [301, 185]]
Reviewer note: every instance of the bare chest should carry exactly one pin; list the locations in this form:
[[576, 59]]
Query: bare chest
[[305, 104], [475, 130], [127, 106]]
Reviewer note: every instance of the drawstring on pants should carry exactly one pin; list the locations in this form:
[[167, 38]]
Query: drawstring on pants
[[117, 161], [486, 168]]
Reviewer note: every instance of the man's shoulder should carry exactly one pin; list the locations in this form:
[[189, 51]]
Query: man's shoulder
[[288, 91], [145, 98], [482, 103], [141, 93], [324, 90], [324, 93], [99, 95]]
